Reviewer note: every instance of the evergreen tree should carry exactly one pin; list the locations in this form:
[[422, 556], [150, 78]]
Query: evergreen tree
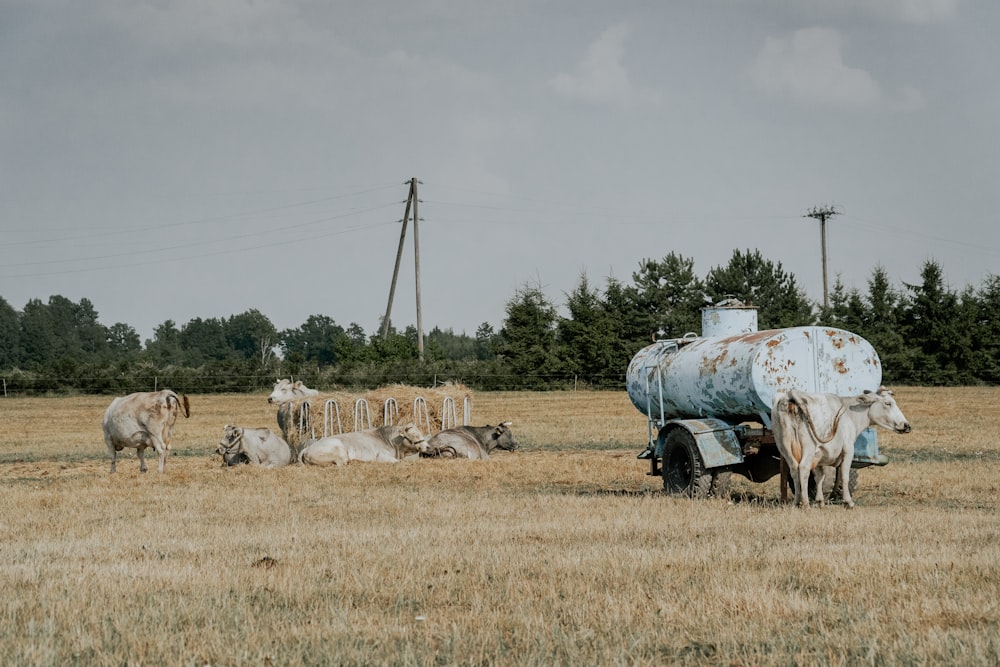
[[882, 327], [485, 340], [10, 336], [939, 322], [586, 341], [847, 310], [760, 282], [667, 296], [986, 339], [527, 341]]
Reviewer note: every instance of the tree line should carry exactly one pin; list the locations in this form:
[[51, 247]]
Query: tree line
[[925, 334]]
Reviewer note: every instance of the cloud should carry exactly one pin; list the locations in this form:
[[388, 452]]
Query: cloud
[[923, 12], [809, 67], [601, 77], [906, 11]]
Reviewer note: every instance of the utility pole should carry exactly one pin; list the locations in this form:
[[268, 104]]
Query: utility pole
[[411, 200], [821, 214], [416, 270]]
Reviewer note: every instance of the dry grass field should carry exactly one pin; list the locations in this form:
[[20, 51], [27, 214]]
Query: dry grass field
[[562, 553]]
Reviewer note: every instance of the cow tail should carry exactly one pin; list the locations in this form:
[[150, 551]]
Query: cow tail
[[805, 416], [172, 397]]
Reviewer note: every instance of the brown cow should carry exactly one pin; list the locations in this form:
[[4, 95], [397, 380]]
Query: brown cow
[[470, 442]]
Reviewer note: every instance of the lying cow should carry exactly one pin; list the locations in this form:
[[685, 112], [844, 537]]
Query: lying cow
[[256, 446], [384, 444], [470, 442], [286, 390], [142, 420], [816, 430]]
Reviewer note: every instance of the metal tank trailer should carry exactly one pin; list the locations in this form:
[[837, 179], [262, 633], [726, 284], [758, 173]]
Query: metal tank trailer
[[708, 398]]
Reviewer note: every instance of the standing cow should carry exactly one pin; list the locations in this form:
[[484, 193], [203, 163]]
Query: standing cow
[[144, 419], [286, 390], [470, 442], [256, 446], [387, 444], [816, 430]]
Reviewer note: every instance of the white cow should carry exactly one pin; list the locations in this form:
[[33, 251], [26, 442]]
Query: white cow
[[386, 444], [286, 390], [257, 446], [816, 430], [144, 419]]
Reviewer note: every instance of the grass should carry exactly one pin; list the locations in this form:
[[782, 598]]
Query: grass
[[561, 553]]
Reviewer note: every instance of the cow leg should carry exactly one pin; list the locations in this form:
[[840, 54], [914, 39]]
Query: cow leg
[[141, 452], [819, 474], [112, 451], [161, 451], [845, 477], [802, 485]]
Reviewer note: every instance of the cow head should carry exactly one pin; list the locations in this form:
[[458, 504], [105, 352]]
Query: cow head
[[413, 440], [503, 438], [883, 411], [282, 392], [286, 390], [231, 446]]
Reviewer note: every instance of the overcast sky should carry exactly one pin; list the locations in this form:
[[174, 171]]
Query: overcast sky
[[173, 159]]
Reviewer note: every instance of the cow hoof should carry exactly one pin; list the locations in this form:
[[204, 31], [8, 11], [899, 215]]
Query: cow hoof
[[848, 506]]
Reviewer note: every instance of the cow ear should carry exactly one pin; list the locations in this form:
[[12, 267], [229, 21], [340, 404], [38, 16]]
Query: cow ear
[[867, 398]]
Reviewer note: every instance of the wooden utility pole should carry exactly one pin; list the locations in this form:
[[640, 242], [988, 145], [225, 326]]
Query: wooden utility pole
[[416, 269], [411, 200], [821, 214]]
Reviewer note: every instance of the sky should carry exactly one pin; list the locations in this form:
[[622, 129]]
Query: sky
[[174, 159]]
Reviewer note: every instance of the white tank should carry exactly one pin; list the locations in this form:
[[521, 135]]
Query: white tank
[[735, 377]]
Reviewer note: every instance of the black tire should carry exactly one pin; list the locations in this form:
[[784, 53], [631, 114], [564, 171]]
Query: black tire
[[831, 484], [684, 472]]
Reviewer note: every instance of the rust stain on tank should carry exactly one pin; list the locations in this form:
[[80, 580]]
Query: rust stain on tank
[[835, 339], [840, 366], [710, 365]]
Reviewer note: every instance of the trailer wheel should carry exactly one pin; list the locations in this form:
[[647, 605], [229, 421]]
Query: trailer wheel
[[831, 484], [684, 473]]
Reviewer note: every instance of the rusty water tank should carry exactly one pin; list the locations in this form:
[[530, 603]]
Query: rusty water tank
[[734, 373]]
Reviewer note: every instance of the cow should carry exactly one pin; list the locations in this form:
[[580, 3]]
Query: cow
[[470, 442], [141, 420], [286, 390], [382, 444], [256, 446], [816, 430]]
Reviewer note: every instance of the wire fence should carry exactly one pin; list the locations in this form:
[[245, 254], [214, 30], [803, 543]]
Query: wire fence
[[191, 382]]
